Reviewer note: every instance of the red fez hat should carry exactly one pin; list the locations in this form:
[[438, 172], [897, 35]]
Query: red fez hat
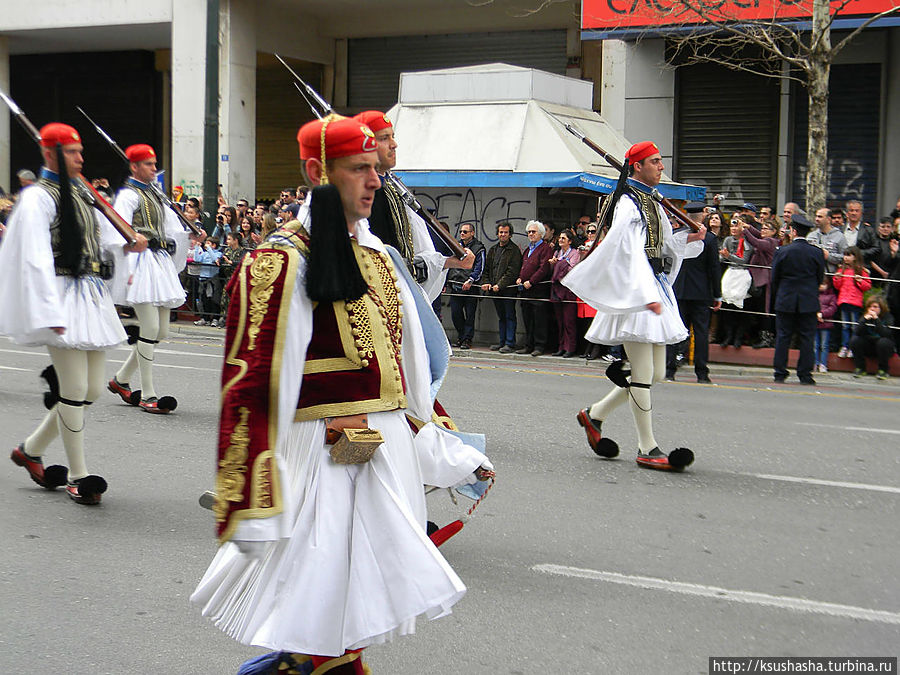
[[641, 151], [334, 136], [56, 132], [374, 119], [139, 152]]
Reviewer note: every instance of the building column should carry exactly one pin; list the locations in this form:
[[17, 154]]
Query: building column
[[638, 97], [188, 78], [889, 183], [237, 96], [784, 176], [5, 172]]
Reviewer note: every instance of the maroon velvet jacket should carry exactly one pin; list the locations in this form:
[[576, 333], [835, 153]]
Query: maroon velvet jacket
[[536, 268]]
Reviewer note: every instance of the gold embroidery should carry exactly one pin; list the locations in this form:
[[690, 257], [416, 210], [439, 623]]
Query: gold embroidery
[[264, 270], [262, 483], [230, 479]]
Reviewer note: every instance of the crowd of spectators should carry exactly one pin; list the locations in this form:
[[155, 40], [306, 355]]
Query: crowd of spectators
[[861, 263]]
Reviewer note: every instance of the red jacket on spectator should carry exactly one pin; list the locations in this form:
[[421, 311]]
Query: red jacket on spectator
[[850, 291]]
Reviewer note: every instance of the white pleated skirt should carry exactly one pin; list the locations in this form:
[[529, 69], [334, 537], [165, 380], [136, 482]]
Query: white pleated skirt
[[90, 316], [357, 567], [150, 278], [643, 325]]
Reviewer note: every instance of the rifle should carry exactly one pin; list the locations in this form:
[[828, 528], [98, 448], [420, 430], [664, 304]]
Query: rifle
[[85, 190], [321, 108], [670, 208], [154, 186]]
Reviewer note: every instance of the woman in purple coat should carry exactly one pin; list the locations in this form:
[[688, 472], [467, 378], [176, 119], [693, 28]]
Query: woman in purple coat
[[763, 239], [564, 300]]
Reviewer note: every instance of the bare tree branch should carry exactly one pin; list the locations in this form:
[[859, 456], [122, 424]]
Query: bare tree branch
[[865, 24]]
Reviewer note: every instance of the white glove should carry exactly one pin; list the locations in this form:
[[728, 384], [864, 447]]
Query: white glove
[[254, 550]]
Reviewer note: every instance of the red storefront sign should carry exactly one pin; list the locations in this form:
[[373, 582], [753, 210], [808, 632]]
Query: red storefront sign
[[610, 14]]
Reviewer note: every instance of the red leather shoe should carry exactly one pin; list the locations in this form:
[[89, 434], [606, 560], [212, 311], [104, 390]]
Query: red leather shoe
[[123, 391], [158, 406], [86, 490], [657, 459], [601, 446], [50, 478]]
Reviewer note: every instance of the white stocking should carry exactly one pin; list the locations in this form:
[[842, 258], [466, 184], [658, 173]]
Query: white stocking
[[153, 322], [648, 363]]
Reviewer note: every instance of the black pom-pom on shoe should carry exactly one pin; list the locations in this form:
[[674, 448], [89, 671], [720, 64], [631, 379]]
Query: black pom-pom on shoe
[[680, 458], [55, 475], [167, 403], [606, 448]]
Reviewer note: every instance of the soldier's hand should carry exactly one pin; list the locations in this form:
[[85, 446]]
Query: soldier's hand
[[140, 244], [655, 307]]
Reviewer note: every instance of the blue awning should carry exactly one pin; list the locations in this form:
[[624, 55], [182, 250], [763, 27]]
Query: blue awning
[[510, 179]]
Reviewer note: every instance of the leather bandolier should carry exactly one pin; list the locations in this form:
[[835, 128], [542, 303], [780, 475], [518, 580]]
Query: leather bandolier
[[92, 262]]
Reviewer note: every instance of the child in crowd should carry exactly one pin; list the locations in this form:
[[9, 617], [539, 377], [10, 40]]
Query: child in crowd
[[828, 308], [851, 280], [872, 337]]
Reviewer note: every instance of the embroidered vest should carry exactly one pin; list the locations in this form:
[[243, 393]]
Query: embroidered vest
[[650, 215], [91, 258], [148, 218], [353, 362]]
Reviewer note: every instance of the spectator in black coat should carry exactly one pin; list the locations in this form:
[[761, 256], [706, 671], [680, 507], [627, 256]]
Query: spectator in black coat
[[872, 337], [798, 270]]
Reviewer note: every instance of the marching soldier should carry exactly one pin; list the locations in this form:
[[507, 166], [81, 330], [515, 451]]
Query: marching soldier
[[399, 226], [147, 281], [53, 271]]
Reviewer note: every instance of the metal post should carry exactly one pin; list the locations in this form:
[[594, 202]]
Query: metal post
[[211, 117]]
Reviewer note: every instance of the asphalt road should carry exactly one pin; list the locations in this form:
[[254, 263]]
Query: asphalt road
[[781, 540]]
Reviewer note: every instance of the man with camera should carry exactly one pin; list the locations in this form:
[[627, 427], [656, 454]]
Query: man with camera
[[148, 281], [53, 272]]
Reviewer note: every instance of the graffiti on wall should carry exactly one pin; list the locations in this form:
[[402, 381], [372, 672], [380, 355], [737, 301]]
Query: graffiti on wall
[[483, 208]]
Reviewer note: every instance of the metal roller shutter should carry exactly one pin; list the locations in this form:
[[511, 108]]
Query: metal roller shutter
[[375, 64], [280, 112], [727, 133], [121, 91], [853, 132]]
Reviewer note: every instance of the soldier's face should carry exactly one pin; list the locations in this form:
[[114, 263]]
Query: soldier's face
[[71, 155], [356, 180], [387, 149], [144, 171], [649, 171]]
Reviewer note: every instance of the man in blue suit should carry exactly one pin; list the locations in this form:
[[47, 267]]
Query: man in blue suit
[[797, 271]]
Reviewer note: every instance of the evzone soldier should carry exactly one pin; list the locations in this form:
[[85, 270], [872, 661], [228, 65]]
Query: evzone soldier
[[54, 264], [329, 347], [147, 281], [397, 225], [627, 280]]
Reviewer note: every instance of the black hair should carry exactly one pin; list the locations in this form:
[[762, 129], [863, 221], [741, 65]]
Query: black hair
[[332, 272], [508, 224]]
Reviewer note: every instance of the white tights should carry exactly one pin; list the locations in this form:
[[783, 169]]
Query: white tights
[[81, 379], [154, 325], [648, 366]]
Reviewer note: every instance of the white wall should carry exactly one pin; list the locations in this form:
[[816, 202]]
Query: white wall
[[483, 208], [638, 93], [188, 79], [237, 91], [74, 13]]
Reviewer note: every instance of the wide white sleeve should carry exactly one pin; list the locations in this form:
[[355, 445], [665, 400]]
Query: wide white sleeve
[[444, 459], [29, 300], [616, 278], [176, 232], [423, 247], [297, 337]]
